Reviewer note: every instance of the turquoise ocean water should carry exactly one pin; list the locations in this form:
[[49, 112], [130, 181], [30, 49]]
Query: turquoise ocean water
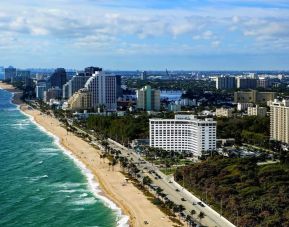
[[40, 185]]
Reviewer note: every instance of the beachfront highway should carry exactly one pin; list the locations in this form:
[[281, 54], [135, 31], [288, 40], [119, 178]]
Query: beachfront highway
[[172, 189]]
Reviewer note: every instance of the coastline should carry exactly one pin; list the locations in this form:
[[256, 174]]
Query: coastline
[[131, 201]]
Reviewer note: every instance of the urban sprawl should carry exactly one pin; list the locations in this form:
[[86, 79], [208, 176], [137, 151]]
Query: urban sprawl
[[222, 136]]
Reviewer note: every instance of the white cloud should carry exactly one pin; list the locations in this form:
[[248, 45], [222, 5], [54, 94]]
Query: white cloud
[[84, 25]]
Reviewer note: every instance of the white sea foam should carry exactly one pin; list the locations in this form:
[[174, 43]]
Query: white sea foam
[[92, 184], [83, 195], [85, 201], [81, 190], [67, 185], [32, 179]]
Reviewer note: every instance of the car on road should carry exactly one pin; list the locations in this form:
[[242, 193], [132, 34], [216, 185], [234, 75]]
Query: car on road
[[201, 204], [177, 190], [183, 199]]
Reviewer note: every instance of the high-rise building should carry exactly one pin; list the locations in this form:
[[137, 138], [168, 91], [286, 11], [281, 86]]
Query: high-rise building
[[148, 99], [279, 121], [254, 96], [74, 84], [9, 73], [103, 89], [91, 70], [264, 83], [257, 111], [185, 134], [246, 83], [119, 91], [225, 82], [143, 75], [23, 73], [40, 89], [58, 78], [1, 73], [81, 100], [52, 93], [24, 76]]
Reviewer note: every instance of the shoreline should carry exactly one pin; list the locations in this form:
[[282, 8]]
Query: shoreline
[[130, 200]]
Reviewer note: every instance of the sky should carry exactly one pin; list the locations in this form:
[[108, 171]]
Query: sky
[[146, 35]]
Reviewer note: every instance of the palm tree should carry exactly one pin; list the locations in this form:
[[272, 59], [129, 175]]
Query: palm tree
[[201, 215], [193, 212], [114, 162]]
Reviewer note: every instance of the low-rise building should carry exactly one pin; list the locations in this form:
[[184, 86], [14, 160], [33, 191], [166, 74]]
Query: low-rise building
[[244, 106], [224, 112], [253, 96], [257, 111]]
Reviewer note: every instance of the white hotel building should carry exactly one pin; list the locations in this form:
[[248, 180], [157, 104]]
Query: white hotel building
[[185, 134]]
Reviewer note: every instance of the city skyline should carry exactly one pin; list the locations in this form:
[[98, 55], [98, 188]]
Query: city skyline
[[129, 35]]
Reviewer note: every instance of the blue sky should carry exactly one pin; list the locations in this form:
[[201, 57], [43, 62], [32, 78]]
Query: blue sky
[[147, 34]]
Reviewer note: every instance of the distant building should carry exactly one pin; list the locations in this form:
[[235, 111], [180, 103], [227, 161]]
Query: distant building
[[89, 71], [58, 78], [148, 99], [9, 73], [185, 134], [23, 73], [187, 102], [81, 100], [74, 84], [253, 96], [40, 89], [225, 82], [279, 121], [246, 83], [53, 93], [103, 90], [263, 83], [224, 112], [244, 106], [143, 75], [172, 107], [257, 111], [119, 91]]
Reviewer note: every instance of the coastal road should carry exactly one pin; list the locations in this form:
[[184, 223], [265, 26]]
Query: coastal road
[[173, 190]]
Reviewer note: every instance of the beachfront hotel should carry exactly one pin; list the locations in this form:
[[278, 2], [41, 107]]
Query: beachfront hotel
[[185, 133], [74, 84], [80, 100], [279, 121], [103, 90]]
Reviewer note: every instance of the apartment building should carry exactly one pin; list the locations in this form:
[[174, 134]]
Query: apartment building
[[257, 111], [279, 121]]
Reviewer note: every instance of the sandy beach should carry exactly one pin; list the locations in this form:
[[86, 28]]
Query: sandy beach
[[131, 200]]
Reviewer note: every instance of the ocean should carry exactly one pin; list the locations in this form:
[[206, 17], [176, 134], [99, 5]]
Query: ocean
[[40, 183]]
